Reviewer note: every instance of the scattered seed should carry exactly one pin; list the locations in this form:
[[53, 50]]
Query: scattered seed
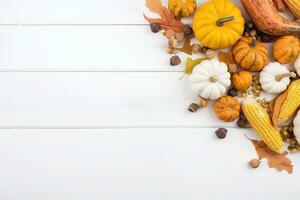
[[232, 92], [155, 27], [188, 31], [175, 60], [210, 54], [196, 48], [202, 103], [250, 25], [254, 163], [193, 107], [246, 34], [221, 133], [253, 33]]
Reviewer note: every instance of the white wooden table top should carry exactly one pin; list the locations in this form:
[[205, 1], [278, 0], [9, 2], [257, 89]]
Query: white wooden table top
[[90, 109]]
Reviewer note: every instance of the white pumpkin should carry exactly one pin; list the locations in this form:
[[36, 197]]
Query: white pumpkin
[[275, 78], [297, 64], [297, 127], [210, 79]]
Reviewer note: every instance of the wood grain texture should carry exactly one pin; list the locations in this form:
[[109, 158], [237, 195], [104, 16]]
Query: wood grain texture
[[99, 100], [76, 11], [136, 164], [83, 48]]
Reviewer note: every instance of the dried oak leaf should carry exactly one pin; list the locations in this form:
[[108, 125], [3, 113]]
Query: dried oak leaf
[[279, 161], [187, 48], [154, 6], [276, 108], [167, 20], [225, 57], [190, 64]]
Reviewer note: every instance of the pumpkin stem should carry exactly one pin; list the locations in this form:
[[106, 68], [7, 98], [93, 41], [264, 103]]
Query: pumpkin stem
[[284, 75], [213, 79], [253, 42], [220, 22]]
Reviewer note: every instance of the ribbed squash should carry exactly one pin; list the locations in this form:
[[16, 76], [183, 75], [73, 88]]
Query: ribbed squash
[[218, 24], [250, 54], [286, 49], [182, 8]]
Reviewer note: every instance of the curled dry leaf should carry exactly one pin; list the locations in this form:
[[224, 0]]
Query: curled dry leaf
[[187, 48], [167, 20], [279, 161], [276, 107], [190, 64]]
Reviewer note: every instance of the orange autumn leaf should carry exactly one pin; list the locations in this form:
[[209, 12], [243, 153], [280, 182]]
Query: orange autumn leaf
[[187, 48], [167, 20], [279, 161], [155, 6], [225, 57]]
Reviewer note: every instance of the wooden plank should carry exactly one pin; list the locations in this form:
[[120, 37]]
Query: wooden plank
[[75, 12], [83, 48], [98, 100], [137, 164]]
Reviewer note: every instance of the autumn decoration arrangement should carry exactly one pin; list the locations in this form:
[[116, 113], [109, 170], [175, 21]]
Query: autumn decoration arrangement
[[235, 69]]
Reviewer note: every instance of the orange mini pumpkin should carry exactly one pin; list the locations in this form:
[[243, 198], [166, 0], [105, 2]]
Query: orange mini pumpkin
[[242, 81], [286, 49], [250, 54], [227, 108]]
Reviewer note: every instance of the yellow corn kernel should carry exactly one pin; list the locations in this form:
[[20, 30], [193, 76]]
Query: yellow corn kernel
[[291, 102], [294, 7], [261, 123]]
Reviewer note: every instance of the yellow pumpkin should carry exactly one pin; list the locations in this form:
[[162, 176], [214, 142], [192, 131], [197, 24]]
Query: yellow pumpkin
[[218, 24], [250, 54], [286, 49], [182, 8]]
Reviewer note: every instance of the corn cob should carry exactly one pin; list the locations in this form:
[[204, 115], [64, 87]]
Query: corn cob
[[291, 102], [294, 7], [261, 123]]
